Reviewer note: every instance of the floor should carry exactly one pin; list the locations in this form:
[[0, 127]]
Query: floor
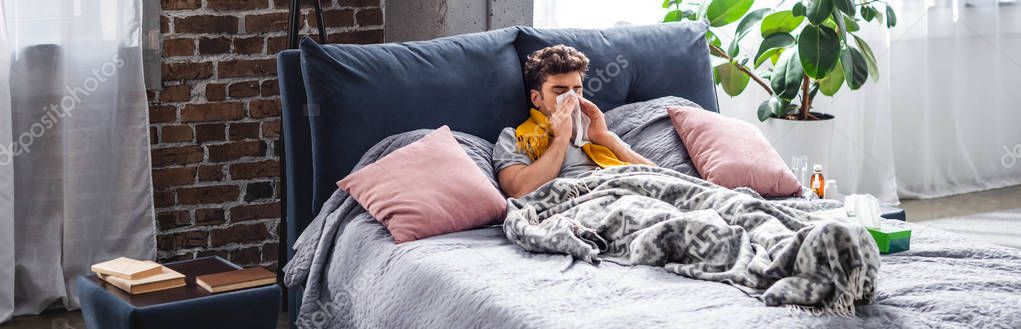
[[963, 204], [73, 320], [993, 215]]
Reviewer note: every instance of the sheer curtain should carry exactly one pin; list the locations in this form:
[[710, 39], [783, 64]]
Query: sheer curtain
[[75, 184], [956, 101], [942, 118]]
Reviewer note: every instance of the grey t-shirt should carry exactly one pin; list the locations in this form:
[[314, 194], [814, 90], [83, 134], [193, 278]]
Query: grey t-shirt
[[506, 154]]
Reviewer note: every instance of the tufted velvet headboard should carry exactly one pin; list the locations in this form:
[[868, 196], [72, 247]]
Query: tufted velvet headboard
[[339, 100]]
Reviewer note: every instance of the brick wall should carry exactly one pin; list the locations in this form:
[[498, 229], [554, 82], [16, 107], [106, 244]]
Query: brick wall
[[215, 124]]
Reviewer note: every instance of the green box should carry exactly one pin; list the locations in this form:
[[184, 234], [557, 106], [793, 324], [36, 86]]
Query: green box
[[891, 240]]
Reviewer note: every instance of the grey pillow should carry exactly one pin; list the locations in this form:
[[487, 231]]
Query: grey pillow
[[646, 126], [636, 63]]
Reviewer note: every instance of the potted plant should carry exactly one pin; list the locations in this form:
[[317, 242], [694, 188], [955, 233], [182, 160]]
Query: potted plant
[[811, 47]]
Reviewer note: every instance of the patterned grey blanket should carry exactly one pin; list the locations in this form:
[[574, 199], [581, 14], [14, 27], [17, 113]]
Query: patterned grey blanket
[[639, 215]]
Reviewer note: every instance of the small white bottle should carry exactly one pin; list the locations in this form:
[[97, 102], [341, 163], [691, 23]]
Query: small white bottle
[[832, 191]]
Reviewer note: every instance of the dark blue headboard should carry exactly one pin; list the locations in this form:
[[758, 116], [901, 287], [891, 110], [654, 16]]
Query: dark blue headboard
[[339, 100]]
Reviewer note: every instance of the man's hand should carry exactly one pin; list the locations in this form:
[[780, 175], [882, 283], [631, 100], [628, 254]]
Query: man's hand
[[599, 134], [561, 125], [597, 131]]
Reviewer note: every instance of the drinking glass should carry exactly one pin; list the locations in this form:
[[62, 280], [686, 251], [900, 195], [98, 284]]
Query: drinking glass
[[799, 166]]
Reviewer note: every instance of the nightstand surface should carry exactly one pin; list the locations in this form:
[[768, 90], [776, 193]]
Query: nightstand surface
[[106, 306], [190, 268]]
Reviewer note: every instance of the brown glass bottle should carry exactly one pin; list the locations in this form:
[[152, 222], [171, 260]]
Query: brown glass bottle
[[818, 182]]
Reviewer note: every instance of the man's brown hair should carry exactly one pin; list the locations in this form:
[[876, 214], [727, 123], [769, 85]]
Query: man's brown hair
[[556, 59]]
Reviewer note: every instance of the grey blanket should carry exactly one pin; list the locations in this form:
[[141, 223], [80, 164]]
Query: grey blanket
[[640, 215], [479, 279]]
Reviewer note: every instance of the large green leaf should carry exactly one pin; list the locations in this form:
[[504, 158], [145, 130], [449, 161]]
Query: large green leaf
[[832, 82], [870, 58], [768, 107], [673, 16], [817, 10], [731, 78], [798, 9], [850, 23], [723, 12], [891, 17], [856, 71], [773, 55], [713, 39], [780, 22], [786, 78], [771, 45], [734, 49], [819, 49], [749, 21], [846, 6]]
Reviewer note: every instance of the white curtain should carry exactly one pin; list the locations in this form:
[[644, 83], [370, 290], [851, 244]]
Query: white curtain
[[956, 96], [75, 183], [941, 119]]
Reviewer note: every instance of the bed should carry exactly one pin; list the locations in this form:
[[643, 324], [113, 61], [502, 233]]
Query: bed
[[339, 101]]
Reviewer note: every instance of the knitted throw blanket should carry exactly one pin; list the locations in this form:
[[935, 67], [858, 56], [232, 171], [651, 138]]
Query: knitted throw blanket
[[639, 215]]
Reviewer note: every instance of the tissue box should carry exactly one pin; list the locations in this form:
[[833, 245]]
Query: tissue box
[[891, 240]]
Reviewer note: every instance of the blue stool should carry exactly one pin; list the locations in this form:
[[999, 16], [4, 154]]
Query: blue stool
[[105, 306]]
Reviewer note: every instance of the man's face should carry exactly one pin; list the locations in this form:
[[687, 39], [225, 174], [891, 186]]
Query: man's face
[[555, 84]]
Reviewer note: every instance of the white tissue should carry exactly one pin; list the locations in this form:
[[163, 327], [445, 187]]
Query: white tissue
[[581, 121], [864, 208]]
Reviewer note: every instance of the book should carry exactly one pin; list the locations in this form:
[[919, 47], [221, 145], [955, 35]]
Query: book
[[166, 279], [234, 280], [127, 268]]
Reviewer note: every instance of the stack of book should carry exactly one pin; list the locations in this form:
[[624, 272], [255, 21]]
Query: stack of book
[[138, 276], [142, 276]]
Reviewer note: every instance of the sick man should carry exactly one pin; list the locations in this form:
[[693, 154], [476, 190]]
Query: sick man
[[541, 148]]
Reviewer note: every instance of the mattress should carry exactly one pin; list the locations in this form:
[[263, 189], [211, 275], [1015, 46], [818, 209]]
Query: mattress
[[478, 279]]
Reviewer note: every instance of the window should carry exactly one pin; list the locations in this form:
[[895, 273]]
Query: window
[[596, 13]]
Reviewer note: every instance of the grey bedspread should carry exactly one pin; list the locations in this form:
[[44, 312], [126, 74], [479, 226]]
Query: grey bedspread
[[354, 276]]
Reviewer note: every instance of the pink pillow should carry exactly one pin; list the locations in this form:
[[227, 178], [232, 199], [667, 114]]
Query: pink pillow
[[426, 188], [732, 153]]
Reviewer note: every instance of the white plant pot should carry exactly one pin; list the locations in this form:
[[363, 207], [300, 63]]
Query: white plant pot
[[812, 139]]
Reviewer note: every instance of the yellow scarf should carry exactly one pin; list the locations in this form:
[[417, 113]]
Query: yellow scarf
[[534, 138]]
